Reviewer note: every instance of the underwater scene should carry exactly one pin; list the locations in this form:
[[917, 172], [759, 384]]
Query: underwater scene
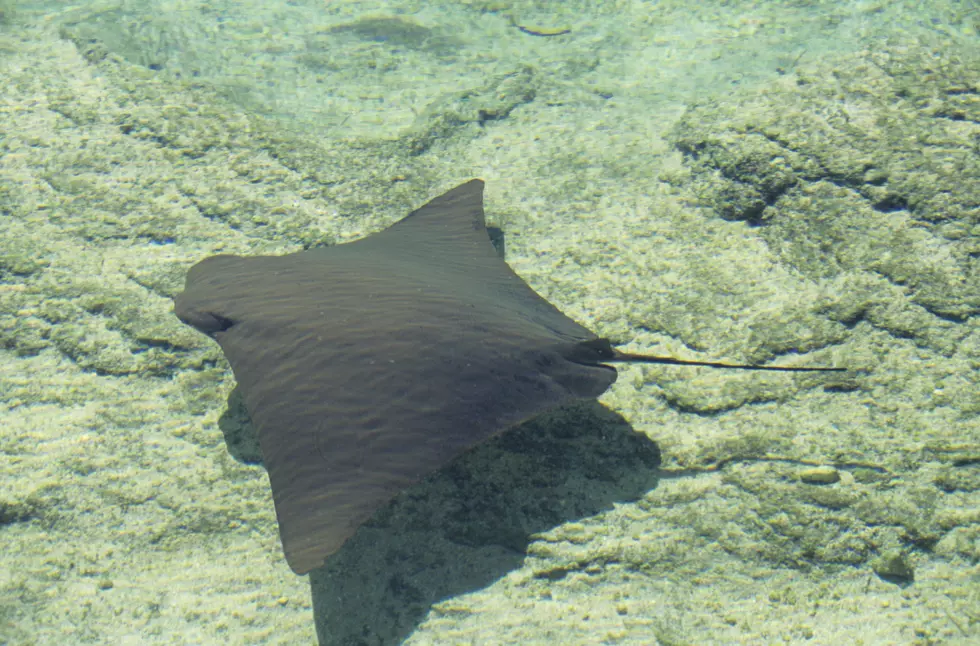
[[474, 322]]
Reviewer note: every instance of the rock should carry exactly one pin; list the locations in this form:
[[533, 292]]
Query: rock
[[820, 475]]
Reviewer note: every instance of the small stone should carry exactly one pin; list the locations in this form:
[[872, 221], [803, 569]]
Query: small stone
[[820, 475], [893, 566]]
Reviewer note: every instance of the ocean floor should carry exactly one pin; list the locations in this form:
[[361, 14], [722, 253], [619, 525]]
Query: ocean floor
[[745, 181]]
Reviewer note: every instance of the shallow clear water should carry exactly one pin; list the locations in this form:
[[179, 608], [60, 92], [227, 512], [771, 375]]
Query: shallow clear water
[[749, 181]]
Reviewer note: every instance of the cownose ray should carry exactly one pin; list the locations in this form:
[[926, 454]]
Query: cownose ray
[[368, 365]]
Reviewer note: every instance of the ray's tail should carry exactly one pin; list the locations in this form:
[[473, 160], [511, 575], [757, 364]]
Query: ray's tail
[[628, 357]]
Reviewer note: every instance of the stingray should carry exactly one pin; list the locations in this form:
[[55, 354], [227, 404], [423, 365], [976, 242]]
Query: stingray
[[367, 366]]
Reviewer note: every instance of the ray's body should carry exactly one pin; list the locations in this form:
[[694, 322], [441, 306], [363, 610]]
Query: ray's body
[[367, 366]]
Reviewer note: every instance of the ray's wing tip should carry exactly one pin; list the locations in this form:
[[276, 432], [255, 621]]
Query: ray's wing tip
[[301, 566], [302, 560], [470, 188]]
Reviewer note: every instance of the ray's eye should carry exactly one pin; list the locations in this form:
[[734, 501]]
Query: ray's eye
[[207, 322], [222, 323]]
